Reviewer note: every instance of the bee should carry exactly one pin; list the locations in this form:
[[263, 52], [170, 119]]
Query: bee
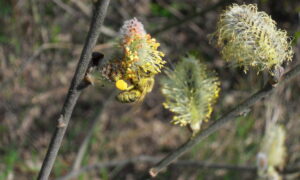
[[134, 86], [135, 92]]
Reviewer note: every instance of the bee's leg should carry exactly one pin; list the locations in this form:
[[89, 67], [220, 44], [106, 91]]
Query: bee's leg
[[123, 85]]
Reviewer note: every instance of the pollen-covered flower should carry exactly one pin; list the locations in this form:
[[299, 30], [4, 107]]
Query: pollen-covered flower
[[133, 72], [190, 91], [272, 152], [140, 50], [249, 38]]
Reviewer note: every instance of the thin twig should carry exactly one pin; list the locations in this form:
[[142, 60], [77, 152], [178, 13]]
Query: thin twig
[[179, 15], [238, 110], [36, 53], [178, 164], [253, 169], [91, 128], [84, 145], [74, 91], [190, 18], [85, 13], [65, 7], [109, 164], [82, 7], [37, 19]]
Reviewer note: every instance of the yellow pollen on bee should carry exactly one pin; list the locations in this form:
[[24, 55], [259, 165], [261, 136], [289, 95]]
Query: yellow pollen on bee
[[121, 85]]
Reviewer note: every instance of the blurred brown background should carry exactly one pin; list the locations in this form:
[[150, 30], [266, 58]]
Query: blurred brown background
[[40, 44]]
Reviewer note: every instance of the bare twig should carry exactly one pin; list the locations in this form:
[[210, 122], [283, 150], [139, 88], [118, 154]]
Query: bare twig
[[91, 128], [83, 8], [109, 164], [37, 19], [253, 169], [37, 53], [84, 145], [65, 7], [178, 164], [190, 18], [86, 14], [266, 90], [27, 122], [43, 47], [74, 91], [178, 15]]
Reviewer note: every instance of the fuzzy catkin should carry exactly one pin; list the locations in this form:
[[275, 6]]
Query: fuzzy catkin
[[190, 91], [249, 38], [272, 153], [140, 55], [140, 49], [134, 72]]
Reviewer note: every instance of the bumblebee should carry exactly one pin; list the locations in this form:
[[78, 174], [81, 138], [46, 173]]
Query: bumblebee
[[135, 92]]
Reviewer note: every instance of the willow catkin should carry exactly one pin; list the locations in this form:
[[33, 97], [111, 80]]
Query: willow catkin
[[272, 154], [134, 72], [140, 49], [249, 38], [190, 91]]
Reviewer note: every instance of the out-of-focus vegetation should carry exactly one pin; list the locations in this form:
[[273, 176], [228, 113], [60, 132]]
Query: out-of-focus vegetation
[[40, 44]]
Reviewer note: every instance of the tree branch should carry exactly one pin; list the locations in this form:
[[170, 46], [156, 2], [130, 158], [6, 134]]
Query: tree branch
[[178, 164], [74, 91], [109, 164], [238, 110]]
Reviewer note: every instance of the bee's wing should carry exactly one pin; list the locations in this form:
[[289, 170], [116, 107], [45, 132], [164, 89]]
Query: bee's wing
[[146, 87]]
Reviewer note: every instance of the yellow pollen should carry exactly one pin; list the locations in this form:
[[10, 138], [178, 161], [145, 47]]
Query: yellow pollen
[[121, 85]]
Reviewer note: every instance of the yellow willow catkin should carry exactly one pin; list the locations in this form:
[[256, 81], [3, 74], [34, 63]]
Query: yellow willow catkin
[[140, 50], [141, 60], [272, 153], [140, 54], [190, 92], [249, 38]]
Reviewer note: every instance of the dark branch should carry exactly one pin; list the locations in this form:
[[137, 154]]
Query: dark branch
[[178, 164], [74, 91], [238, 110], [110, 164]]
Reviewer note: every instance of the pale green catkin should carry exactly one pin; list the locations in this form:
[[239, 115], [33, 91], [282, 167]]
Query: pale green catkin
[[249, 38], [272, 153], [190, 91]]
